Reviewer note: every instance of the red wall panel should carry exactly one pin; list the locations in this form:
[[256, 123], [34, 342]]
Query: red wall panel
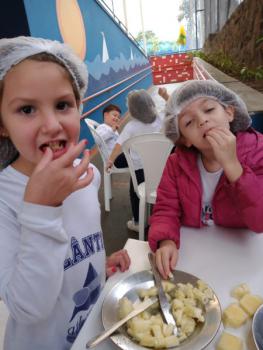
[[171, 68]]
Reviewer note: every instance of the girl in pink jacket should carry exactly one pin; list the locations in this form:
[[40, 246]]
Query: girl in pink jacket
[[215, 176]]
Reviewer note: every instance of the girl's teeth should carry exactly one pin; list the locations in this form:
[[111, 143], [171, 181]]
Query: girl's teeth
[[55, 146]]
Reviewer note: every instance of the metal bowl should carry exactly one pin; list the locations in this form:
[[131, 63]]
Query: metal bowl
[[201, 337], [257, 328]]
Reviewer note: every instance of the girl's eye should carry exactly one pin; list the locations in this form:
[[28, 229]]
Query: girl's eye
[[188, 123], [208, 110], [63, 105], [27, 109]]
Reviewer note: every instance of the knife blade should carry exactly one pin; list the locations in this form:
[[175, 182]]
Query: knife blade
[[164, 303], [137, 310]]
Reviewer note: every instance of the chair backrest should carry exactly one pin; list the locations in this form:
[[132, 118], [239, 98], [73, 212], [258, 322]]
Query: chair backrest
[[153, 149], [102, 147]]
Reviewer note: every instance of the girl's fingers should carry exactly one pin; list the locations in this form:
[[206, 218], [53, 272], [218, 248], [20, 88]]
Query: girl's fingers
[[110, 271], [223, 130], [121, 259], [219, 137], [221, 134], [45, 160], [121, 263], [72, 153], [82, 167], [166, 264], [126, 258], [159, 263], [173, 261], [212, 141], [85, 180]]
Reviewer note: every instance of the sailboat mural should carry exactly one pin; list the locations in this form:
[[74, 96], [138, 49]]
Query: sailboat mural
[[109, 54], [131, 56], [105, 54], [106, 68], [113, 60]]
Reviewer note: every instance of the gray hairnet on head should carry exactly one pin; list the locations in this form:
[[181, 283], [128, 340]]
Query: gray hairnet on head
[[15, 50], [141, 106], [195, 89]]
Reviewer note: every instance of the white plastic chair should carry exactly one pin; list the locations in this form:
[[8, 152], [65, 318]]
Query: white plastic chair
[[104, 153], [153, 150]]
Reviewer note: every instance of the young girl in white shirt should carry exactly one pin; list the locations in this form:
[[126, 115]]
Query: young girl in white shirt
[[52, 261]]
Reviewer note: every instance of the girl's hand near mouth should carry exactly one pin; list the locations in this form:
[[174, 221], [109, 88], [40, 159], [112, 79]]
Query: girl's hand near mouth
[[53, 181], [223, 143]]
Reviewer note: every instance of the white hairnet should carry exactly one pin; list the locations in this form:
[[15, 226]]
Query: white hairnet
[[141, 106], [194, 89], [15, 50]]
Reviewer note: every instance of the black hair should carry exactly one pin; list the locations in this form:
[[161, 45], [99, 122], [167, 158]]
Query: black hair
[[110, 108]]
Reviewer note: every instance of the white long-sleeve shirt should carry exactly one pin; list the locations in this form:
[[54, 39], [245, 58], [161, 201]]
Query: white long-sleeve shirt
[[108, 135], [52, 264]]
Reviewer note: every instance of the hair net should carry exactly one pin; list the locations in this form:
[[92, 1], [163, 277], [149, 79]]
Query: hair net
[[15, 50], [191, 91], [141, 106]]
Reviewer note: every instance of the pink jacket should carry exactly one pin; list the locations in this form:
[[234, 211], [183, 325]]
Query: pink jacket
[[179, 195]]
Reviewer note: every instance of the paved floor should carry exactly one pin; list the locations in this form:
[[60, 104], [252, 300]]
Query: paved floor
[[252, 97], [3, 319]]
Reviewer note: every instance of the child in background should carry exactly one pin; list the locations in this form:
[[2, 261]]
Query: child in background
[[215, 175], [52, 261], [144, 119], [109, 132]]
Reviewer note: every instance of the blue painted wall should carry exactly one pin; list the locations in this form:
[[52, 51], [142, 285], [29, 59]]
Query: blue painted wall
[[110, 55]]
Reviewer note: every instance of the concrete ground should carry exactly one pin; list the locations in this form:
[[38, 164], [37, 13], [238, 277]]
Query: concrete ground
[[3, 319]]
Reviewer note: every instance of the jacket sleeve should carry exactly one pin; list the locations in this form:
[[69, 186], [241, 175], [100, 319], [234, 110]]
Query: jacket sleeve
[[165, 220], [33, 250], [247, 192]]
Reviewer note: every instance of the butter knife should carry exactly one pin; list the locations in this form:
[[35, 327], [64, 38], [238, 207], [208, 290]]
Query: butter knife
[[164, 303], [137, 310]]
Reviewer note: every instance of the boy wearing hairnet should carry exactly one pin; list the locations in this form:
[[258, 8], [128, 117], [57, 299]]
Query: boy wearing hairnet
[[144, 119], [215, 176], [52, 261]]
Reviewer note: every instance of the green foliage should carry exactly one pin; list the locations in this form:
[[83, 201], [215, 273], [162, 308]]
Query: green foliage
[[151, 40], [229, 66], [154, 45], [149, 36], [260, 40], [252, 74]]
